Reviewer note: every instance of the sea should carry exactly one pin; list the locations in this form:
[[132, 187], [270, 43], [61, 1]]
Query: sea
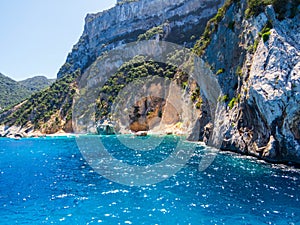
[[50, 181]]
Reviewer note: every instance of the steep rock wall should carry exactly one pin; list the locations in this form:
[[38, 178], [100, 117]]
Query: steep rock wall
[[260, 76], [124, 22]]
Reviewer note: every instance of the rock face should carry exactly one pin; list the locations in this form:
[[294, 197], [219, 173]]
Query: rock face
[[275, 90], [105, 128], [128, 19], [263, 118]]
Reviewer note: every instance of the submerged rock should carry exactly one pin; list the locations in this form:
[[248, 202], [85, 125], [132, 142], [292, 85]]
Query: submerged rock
[[141, 133], [105, 128]]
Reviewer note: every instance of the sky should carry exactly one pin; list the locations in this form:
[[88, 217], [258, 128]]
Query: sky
[[37, 35]]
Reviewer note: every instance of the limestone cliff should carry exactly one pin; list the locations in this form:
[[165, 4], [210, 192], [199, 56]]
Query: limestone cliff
[[257, 62], [125, 22]]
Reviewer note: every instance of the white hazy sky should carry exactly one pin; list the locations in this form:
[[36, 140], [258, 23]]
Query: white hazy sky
[[36, 35]]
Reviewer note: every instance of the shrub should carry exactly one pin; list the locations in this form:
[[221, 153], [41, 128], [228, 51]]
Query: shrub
[[151, 33], [220, 71], [195, 95], [232, 103], [199, 103], [266, 31], [255, 45], [223, 98], [239, 71], [184, 84], [266, 36]]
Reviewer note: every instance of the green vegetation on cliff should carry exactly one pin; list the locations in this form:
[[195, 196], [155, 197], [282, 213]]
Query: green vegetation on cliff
[[211, 27], [137, 68], [283, 8], [151, 33], [48, 110]]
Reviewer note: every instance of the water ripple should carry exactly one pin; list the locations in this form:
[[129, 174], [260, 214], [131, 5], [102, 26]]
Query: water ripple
[[48, 181]]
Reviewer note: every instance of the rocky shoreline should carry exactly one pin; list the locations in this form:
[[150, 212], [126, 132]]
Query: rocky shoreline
[[17, 133]]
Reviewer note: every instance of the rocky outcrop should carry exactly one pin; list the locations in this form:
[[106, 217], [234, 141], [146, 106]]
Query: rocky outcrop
[[129, 19], [274, 85], [105, 128], [260, 75], [13, 132]]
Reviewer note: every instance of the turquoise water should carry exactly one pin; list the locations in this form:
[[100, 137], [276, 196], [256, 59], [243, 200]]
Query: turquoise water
[[45, 181]]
